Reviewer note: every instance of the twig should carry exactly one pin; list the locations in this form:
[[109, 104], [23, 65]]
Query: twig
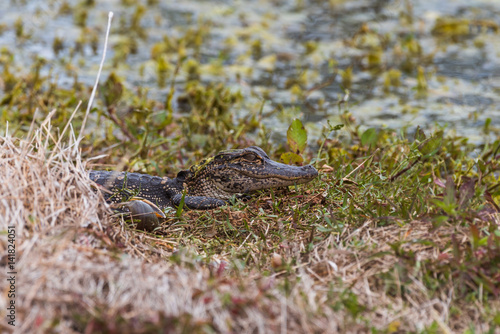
[[91, 100], [64, 130], [322, 85], [360, 165], [121, 125], [405, 169]]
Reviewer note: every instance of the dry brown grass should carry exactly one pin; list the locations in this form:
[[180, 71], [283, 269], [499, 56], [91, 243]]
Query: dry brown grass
[[81, 272]]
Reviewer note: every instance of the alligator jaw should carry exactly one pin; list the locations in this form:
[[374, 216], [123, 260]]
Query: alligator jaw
[[242, 171], [276, 170], [233, 179]]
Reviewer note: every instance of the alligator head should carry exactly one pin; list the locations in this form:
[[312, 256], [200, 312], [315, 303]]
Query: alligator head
[[236, 172]]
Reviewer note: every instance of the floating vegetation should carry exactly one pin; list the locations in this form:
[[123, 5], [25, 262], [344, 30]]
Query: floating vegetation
[[452, 28]]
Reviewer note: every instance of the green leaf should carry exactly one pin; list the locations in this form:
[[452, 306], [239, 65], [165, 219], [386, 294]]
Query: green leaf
[[432, 145], [297, 137], [420, 135], [291, 158], [180, 208], [487, 124], [450, 194], [112, 90], [369, 137], [483, 242], [481, 165], [335, 127]]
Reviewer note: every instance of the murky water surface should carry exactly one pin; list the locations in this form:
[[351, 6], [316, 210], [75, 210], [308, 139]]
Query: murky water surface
[[292, 54]]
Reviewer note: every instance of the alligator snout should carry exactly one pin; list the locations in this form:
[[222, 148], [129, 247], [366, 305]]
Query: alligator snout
[[310, 171], [297, 174], [304, 174]]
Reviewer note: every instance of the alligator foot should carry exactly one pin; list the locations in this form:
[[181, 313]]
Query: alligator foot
[[143, 213]]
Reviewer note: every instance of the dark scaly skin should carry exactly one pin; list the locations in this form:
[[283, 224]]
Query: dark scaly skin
[[210, 183]]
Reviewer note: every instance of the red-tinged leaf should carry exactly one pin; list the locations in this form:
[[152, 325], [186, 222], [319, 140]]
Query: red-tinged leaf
[[442, 257], [439, 182], [490, 200], [38, 321], [465, 193], [474, 231]]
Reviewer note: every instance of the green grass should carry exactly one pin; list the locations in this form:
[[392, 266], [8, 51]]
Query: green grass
[[398, 233], [413, 220]]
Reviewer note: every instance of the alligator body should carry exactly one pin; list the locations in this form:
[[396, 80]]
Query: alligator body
[[209, 184]]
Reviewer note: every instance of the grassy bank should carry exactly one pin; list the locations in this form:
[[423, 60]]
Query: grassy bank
[[395, 235]]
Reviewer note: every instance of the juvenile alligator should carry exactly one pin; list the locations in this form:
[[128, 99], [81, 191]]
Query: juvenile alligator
[[209, 184]]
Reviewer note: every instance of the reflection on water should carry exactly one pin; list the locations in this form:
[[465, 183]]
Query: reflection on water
[[298, 55]]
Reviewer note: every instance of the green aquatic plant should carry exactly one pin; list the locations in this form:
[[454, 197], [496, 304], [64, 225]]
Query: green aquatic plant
[[297, 141]]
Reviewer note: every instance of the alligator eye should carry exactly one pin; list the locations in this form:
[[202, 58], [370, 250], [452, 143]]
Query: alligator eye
[[250, 157]]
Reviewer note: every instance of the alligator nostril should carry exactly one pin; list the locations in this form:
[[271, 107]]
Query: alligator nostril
[[310, 169]]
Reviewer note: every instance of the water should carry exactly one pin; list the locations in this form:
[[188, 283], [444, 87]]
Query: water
[[304, 44]]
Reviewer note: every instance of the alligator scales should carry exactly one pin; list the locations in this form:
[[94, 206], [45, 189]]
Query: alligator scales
[[209, 184]]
